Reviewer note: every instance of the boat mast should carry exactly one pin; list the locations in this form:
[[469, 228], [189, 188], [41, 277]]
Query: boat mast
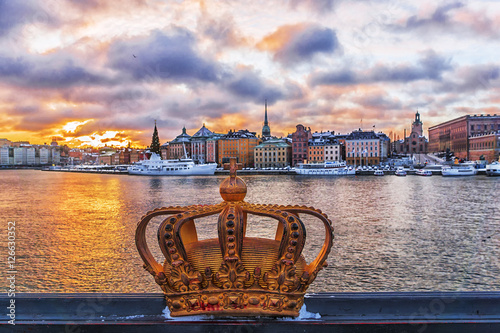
[[184, 147]]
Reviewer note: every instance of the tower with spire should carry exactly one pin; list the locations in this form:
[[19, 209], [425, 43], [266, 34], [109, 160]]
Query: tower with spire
[[266, 130], [417, 125]]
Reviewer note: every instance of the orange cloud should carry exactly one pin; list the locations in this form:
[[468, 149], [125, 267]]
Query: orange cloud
[[280, 37]]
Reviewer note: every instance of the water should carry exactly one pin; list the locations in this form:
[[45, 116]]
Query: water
[[75, 232]]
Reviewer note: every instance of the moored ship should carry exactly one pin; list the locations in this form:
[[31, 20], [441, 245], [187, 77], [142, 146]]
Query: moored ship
[[423, 172], [461, 169], [324, 169], [155, 166], [400, 172], [493, 169]]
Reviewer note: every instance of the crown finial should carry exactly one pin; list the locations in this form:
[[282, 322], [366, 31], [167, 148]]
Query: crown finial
[[233, 188], [233, 274]]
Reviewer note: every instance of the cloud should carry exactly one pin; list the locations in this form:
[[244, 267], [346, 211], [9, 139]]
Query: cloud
[[320, 6], [246, 84], [163, 57], [46, 71], [222, 30], [378, 101], [296, 43], [472, 78], [18, 13], [440, 17], [429, 67]]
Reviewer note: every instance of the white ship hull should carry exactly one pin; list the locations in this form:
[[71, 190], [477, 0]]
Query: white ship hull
[[202, 169], [326, 169], [458, 171], [158, 167], [493, 169]]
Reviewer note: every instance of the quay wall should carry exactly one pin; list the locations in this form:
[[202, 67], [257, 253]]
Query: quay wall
[[339, 312]]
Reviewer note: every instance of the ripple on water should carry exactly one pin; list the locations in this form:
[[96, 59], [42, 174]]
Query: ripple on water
[[75, 232]]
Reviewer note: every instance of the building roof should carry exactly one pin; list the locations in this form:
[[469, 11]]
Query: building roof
[[203, 132], [467, 117], [274, 142], [360, 135], [241, 134], [184, 137]]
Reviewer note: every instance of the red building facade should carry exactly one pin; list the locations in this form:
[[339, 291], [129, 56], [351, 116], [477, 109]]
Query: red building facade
[[486, 146], [300, 138], [455, 134]]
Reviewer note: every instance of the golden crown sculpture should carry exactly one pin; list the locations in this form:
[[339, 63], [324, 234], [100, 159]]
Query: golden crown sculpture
[[234, 274]]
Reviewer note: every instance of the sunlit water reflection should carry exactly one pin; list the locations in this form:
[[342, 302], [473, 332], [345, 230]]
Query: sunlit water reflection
[[75, 232]]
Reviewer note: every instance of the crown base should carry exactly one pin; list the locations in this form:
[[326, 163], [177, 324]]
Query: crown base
[[235, 302]]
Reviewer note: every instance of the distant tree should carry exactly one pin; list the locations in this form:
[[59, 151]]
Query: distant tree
[[155, 142]]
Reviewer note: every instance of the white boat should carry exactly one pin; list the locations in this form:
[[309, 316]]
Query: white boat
[[378, 173], [423, 172], [155, 166], [493, 169], [324, 169], [400, 172], [480, 166], [461, 169]]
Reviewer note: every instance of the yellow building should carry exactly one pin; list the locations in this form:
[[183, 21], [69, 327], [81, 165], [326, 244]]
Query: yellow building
[[273, 154], [316, 150], [239, 144], [363, 148]]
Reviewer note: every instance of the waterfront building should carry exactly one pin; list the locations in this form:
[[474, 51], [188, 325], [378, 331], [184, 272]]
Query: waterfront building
[[56, 156], [333, 150], [106, 156], [415, 143], [273, 153], [199, 144], [5, 155], [363, 148], [238, 144], [30, 156], [75, 156], [385, 146], [115, 158], [44, 156], [454, 134], [266, 130], [180, 146], [135, 156], [212, 148], [315, 150], [300, 139], [20, 156], [486, 146], [105, 159], [5, 143], [17, 144], [164, 151]]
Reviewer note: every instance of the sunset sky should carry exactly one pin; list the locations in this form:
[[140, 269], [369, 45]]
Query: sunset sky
[[94, 72]]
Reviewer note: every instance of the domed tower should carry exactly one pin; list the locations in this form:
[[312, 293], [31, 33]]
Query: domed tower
[[266, 130]]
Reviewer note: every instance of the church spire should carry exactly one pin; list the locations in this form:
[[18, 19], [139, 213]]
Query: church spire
[[266, 130], [265, 118]]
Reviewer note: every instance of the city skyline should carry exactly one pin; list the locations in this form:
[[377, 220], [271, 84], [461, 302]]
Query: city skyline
[[101, 73]]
